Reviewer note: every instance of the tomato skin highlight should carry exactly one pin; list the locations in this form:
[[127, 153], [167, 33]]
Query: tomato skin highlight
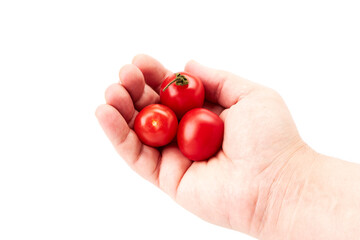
[[182, 98], [200, 134], [156, 125]]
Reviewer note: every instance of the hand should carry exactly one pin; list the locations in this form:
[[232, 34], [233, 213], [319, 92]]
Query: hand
[[241, 187]]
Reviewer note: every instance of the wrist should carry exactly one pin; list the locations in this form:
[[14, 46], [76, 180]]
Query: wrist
[[329, 208], [280, 192], [310, 196]]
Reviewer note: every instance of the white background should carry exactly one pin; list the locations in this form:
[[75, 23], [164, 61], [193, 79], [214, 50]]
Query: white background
[[59, 176]]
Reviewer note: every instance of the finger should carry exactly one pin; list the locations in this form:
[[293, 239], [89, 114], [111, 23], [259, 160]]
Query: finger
[[133, 81], [220, 86], [164, 171], [143, 159], [172, 169], [149, 97], [154, 72], [117, 96]]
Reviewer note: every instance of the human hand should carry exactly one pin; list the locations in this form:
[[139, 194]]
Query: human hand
[[242, 186]]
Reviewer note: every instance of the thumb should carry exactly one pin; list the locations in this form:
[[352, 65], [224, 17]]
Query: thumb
[[220, 86]]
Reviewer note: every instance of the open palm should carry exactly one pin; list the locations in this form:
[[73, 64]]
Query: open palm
[[231, 189]]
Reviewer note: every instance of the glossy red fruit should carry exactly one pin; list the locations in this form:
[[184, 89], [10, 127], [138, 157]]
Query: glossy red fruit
[[182, 92], [200, 134], [156, 125]]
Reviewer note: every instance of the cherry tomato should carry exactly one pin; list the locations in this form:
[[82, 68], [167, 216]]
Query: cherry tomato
[[182, 92], [200, 134], [156, 125]]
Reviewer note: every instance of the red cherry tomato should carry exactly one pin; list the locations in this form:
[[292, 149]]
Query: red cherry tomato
[[200, 134], [156, 125], [182, 92]]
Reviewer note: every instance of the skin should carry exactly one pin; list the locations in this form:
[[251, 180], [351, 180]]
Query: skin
[[265, 181]]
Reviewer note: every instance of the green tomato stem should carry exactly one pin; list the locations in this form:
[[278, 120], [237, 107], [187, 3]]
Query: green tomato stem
[[180, 80]]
